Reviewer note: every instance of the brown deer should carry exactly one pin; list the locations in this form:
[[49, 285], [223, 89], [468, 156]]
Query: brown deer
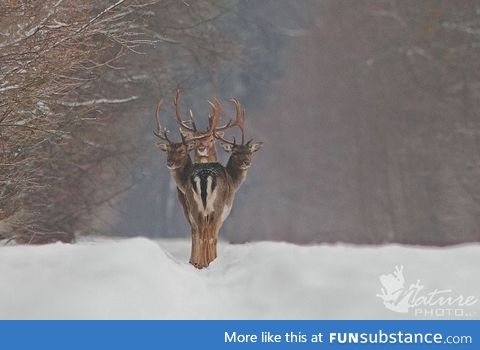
[[178, 160], [203, 140], [206, 189], [241, 154], [213, 189], [181, 169]]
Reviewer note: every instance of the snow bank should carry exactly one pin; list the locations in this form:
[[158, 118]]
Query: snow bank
[[144, 279]]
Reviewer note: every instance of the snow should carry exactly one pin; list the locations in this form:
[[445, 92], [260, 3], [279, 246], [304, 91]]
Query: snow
[[145, 279]]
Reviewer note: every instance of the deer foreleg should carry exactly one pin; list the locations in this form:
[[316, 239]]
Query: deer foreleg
[[195, 252], [200, 248], [204, 243]]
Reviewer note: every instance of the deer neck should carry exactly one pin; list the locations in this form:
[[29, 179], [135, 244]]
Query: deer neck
[[237, 174], [181, 175]]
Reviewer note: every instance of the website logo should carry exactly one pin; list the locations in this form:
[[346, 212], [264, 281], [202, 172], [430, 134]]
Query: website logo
[[437, 303]]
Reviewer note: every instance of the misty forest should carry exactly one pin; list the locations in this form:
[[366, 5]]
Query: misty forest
[[368, 112]]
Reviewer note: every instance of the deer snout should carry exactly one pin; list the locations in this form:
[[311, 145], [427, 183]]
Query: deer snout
[[170, 164], [202, 150], [246, 164]]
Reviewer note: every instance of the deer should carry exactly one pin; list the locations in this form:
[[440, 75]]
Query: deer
[[203, 140], [213, 189], [179, 161], [181, 169], [241, 154], [206, 189]]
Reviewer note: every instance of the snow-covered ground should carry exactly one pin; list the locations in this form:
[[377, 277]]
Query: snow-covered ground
[[140, 278]]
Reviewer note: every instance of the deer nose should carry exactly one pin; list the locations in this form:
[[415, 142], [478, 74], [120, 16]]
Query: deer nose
[[202, 150], [170, 164], [246, 163]]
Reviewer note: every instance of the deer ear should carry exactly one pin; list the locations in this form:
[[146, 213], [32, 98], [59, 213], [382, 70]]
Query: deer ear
[[256, 146], [163, 147], [227, 147]]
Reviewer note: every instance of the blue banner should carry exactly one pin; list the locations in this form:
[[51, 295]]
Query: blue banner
[[103, 335]]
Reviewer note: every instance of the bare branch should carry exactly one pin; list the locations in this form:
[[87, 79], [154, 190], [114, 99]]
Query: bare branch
[[97, 101]]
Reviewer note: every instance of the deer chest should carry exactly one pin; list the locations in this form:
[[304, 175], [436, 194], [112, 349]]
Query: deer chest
[[204, 180]]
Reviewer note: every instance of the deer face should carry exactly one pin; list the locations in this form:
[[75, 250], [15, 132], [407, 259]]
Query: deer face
[[242, 154], [177, 153], [204, 140], [203, 143]]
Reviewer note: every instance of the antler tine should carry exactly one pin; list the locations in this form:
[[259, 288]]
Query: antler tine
[[225, 140], [192, 120], [239, 117], [241, 124], [216, 110], [161, 133], [178, 115], [186, 141], [239, 121]]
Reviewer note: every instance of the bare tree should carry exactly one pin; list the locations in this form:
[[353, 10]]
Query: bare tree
[[52, 53], [75, 80]]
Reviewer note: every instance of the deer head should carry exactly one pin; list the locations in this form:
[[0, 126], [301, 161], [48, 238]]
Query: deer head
[[203, 140], [241, 153], [177, 152]]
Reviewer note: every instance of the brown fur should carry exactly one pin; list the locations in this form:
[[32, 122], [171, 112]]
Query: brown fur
[[180, 165], [204, 145], [206, 212], [203, 232], [178, 162], [206, 226]]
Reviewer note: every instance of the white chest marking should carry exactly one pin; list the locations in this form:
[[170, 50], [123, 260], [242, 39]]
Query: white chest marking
[[211, 196], [197, 193]]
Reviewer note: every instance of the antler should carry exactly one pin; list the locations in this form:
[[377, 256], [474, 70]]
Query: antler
[[216, 111], [161, 133], [183, 124], [212, 119], [240, 117], [239, 122], [192, 120]]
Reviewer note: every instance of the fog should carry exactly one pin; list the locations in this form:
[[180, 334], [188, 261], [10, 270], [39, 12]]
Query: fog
[[368, 114]]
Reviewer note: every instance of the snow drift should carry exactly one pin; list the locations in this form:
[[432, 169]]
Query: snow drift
[[144, 279]]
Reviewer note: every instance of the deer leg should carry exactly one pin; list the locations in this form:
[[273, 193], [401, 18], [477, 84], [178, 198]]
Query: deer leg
[[205, 254], [197, 246], [204, 244], [197, 256], [194, 255], [217, 230], [212, 241]]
